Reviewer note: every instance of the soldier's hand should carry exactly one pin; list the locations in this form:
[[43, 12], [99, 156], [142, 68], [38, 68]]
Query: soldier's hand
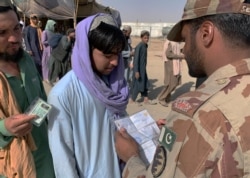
[[126, 146], [160, 123], [19, 125], [137, 75]]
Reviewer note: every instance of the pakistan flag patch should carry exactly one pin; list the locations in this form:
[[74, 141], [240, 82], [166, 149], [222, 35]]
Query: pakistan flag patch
[[167, 138]]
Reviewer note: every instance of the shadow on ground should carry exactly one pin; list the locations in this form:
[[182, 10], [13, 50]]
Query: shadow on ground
[[184, 88], [154, 92]]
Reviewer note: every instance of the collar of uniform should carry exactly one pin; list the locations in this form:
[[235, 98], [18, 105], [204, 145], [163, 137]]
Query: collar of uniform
[[239, 67], [191, 101]]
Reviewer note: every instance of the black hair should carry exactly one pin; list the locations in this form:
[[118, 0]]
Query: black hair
[[70, 30], [34, 18], [107, 38], [234, 27], [9, 8], [145, 33]]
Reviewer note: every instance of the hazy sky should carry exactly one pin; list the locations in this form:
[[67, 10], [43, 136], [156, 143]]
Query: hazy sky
[[147, 10]]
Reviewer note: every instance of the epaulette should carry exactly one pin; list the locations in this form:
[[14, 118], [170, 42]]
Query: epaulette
[[190, 102]]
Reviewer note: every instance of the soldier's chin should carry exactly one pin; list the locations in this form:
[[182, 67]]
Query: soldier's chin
[[14, 57]]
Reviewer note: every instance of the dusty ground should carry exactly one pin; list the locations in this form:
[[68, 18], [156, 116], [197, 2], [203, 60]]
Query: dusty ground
[[155, 71]]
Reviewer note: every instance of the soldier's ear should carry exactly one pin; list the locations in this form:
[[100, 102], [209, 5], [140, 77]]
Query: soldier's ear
[[206, 33]]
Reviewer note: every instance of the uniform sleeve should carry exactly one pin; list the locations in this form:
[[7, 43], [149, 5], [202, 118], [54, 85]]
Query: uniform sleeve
[[134, 168], [194, 152], [61, 139]]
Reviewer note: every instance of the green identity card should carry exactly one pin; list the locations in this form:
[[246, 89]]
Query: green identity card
[[40, 108]]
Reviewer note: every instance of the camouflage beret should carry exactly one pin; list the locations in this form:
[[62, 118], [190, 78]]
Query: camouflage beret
[[199, 8]]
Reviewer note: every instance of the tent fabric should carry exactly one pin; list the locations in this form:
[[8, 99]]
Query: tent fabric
[[63, 9], [56, 9], [93, 8]]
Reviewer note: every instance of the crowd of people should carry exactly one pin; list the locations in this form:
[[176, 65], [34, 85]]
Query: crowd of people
[[50, 50], [94, 73]]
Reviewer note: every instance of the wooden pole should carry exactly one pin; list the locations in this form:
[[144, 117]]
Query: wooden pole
[[75, 13]]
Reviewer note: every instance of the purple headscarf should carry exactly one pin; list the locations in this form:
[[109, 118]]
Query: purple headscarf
[[114, 98]]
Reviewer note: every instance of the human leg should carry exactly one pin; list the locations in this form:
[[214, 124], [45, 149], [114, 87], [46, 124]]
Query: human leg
[[134, 94], [146, 100], [45, 68], [164, 95], [39, 69]]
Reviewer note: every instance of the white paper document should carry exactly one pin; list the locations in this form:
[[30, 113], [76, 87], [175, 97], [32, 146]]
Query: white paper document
[[143, 128]]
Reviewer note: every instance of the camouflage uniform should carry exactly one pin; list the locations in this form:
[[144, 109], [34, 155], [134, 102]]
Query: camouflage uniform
[[212, 133]]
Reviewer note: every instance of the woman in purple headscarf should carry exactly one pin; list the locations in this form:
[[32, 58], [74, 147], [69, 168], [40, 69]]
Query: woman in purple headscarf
[[87, 100], [46, 35]]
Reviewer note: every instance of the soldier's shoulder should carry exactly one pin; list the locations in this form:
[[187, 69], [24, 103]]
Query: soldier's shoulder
[[190, 102]]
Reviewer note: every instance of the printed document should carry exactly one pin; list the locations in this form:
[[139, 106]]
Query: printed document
[[143, 128]]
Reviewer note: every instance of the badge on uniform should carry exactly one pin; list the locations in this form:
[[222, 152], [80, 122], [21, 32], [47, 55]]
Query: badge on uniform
[[159, 161], [167, 138]]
